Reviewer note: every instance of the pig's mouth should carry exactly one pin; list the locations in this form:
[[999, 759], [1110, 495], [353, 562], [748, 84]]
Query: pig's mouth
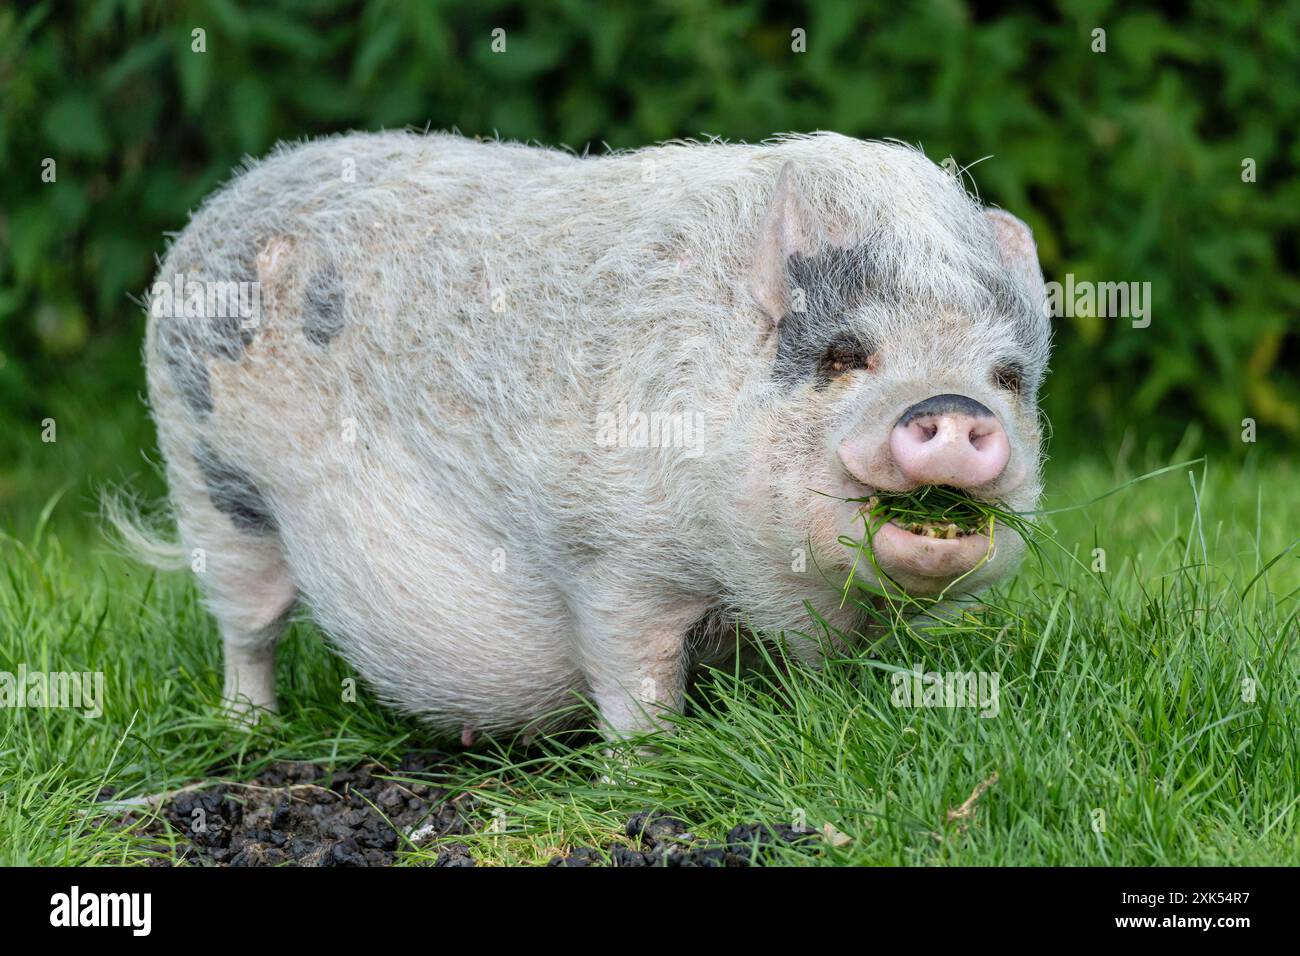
[[932, 534]]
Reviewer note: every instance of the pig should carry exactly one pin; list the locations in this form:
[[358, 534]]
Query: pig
[[518, 428]]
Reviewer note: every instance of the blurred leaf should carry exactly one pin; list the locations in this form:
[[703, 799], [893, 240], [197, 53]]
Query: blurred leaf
[[195, 72], [75, 127], [250, 114]]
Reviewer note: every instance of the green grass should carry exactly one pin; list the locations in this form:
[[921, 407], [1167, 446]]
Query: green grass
[[933, 505], [1146, 713]]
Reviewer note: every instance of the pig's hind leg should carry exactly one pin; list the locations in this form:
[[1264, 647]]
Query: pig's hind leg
[[240, 565]]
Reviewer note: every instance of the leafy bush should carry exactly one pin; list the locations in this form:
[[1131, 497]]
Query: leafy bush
[[1128, 163]]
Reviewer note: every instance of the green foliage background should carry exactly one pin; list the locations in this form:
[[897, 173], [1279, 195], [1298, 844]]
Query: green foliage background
[[1127, 163]]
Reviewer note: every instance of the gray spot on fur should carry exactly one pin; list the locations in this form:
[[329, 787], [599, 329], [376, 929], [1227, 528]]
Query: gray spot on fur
[[234, 493], [185, 341], [188, 370], [229, 338], [832, 284], [233, 332], [322, 307]]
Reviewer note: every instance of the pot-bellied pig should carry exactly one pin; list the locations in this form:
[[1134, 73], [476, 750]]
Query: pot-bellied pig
[[511, 425]]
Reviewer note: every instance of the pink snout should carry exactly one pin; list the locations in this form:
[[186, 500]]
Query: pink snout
[[950, 440]]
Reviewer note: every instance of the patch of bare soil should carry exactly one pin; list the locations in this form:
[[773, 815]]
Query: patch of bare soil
[[301, 814]]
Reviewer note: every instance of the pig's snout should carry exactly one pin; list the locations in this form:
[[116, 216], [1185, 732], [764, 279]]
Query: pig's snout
[[950, 440]]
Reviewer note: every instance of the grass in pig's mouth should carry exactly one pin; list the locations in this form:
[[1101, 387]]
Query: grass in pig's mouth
[[939, 511], [933, 512]]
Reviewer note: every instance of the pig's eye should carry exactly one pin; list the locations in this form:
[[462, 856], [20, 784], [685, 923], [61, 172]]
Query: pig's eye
[[846, 355], [1009, 377]]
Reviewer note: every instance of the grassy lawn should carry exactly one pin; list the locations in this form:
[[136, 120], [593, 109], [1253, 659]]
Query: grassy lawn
[[1146, 714]]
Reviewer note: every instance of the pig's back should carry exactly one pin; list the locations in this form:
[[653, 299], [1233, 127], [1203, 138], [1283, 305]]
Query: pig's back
[[467, 304], [373, 259]]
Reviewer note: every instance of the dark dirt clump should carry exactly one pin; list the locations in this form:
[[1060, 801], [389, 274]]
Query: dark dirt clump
[[663, 840], [301, 814]]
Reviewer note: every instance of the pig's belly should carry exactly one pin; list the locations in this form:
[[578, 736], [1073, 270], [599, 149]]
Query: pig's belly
[[438, 614]]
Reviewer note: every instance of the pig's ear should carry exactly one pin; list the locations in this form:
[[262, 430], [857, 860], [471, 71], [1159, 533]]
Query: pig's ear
[[1018, 252], [789, 228]]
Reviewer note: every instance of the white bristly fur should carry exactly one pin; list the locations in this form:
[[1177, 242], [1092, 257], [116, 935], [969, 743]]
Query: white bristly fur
[[438, 498]]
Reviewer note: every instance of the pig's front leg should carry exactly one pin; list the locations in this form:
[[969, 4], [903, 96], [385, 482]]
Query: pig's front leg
[[634, 654]]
